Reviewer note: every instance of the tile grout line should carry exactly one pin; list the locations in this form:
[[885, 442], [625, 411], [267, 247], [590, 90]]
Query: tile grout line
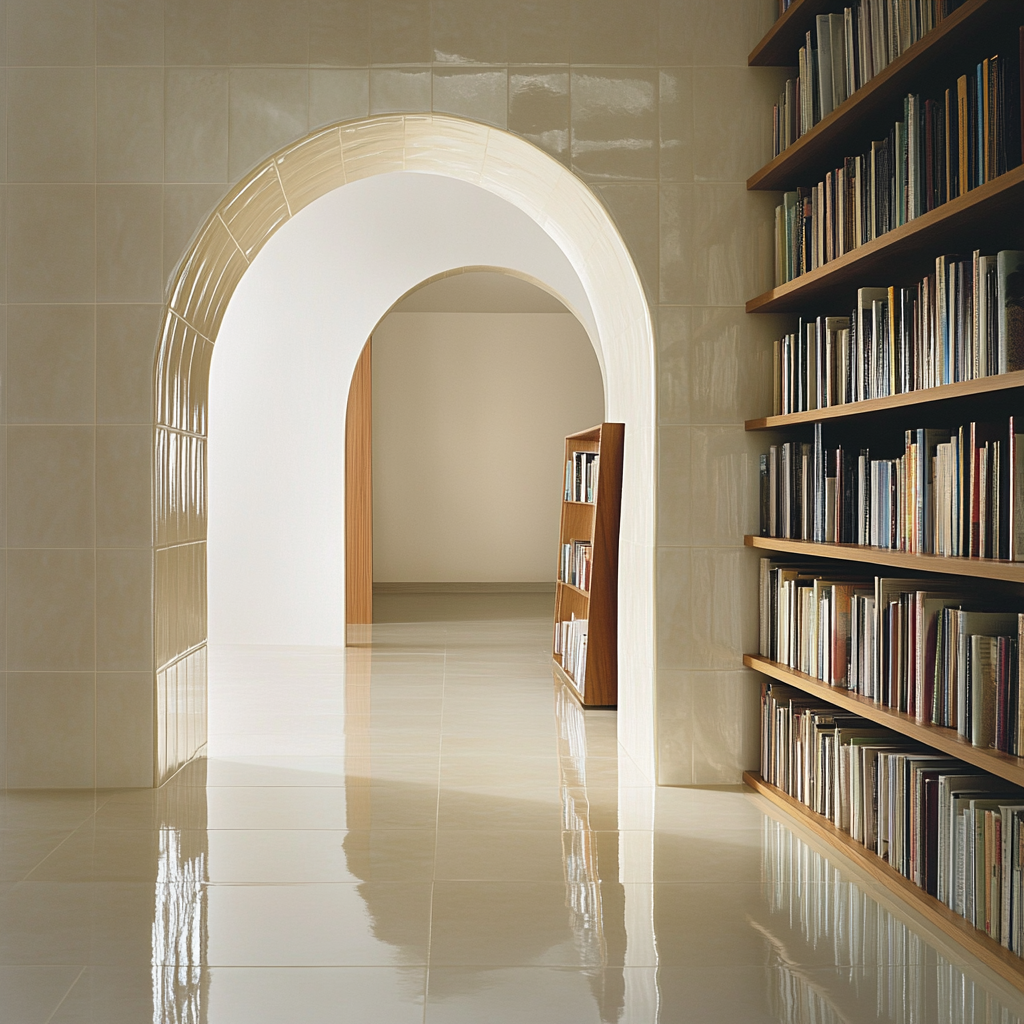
[[437, 822], [64, 998]]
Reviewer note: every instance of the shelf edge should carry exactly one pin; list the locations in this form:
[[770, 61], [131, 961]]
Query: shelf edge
[[983, 568], [786, 297], [1006, 766], [994, 383]]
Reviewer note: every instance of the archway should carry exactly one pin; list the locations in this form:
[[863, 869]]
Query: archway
[[462, 396], [618, 320]]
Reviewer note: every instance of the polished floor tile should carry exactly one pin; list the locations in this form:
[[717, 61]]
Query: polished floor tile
[[426, 829]]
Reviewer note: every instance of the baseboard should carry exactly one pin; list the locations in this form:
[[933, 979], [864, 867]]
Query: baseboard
[[543, 587]]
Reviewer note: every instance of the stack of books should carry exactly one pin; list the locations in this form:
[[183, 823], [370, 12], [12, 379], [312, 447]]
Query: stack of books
[[571, 645], [962, 322], [930, 648], [953, 830], [581, 476], [957, 492], [941, 149], [845, 51], [577, 563]]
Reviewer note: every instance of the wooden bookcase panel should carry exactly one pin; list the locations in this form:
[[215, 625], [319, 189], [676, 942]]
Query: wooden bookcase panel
[[597, 522]]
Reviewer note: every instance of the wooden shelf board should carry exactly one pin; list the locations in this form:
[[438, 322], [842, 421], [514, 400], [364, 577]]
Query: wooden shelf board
[[1006, 964], [898, 253], [983, 568], [585, 504], [815, 152], [575, 589], [949, 741], [779, 45], [925, 396]]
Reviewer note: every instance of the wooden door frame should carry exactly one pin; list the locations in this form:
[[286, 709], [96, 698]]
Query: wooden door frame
[[359, 495]]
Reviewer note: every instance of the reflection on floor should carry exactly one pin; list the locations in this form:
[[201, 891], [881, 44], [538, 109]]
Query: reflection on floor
[[426, 830]]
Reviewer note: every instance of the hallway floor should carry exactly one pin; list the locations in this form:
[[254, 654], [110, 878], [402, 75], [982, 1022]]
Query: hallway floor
[[427, 830]]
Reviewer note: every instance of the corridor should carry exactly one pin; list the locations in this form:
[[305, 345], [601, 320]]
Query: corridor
[[424, 829]]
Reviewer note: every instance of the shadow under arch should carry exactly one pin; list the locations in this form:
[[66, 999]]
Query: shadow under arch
[[496, 161]]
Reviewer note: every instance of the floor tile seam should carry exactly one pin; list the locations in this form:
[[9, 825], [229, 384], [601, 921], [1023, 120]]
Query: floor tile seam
[[63, 998], [66, 839], [437, 822]]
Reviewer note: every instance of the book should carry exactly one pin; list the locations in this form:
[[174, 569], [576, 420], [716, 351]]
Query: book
[[1010, 305]]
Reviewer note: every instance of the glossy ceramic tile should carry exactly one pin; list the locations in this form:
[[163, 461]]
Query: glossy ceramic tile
[[129, 124], [51, 610], [129, 233], [339, 33], [498, 885], [51, 235], [338, 95], [196, 126], [474, 93], [269, 108], [126, 337], [50, 360], [49, 33], [129, 32], [51, 124]]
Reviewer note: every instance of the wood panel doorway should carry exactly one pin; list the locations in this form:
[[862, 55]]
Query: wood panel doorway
[[359, 498]]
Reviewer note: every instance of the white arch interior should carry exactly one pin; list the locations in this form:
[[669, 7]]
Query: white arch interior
[[279, 384]]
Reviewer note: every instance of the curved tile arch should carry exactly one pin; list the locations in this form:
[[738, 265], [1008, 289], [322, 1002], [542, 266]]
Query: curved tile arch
[[492, 159]]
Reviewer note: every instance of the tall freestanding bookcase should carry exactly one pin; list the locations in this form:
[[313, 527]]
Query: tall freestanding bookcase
[[988, 217], [585, 649]]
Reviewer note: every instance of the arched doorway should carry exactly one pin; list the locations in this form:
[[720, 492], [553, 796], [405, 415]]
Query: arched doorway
[[273, 197], [454, 430]]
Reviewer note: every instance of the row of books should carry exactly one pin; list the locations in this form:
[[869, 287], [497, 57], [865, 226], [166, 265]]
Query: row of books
[[962, 322], [942, 149], [845, 51], [571, 646], [577, 563], [958, 493], [581, 476], [930, 649], [953, 830]]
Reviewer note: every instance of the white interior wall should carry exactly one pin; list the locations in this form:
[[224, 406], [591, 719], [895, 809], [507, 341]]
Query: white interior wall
[[469, 415], [280, 375]]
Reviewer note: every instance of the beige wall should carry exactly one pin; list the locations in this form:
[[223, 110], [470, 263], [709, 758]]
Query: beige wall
[[469, 415], [125, 122]]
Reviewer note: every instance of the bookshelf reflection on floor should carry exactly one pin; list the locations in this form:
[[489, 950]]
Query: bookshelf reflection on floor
[[596, 908], [878, 957]]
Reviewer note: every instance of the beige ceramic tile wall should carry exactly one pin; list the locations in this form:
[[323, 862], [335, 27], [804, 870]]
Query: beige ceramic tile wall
[[126, 121]]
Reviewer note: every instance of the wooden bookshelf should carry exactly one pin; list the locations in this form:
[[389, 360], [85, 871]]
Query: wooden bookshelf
[[979, 568], [990, 218], [597, 522], [956, 38], [949, 741], [987, 217], [1006, 964], [998, 383]]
